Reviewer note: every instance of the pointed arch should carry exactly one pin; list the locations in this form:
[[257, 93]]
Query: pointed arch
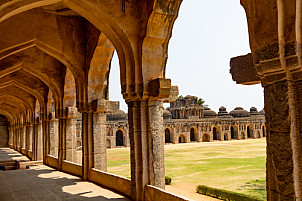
[[98, 75], [15, 7], [69, 99]]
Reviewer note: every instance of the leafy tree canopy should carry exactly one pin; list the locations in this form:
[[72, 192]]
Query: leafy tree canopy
[[200, 101]]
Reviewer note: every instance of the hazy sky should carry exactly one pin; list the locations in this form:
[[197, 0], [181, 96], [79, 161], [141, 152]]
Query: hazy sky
[[205, 36]]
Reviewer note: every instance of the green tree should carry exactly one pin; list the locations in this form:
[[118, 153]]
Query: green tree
[[200, 101], [180, 96]]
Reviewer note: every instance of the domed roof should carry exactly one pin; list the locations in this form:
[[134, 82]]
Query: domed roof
[[117, 116], [223, 113], [254, 111], [262, 112], [239, 112], [167, 114], [208, 113]]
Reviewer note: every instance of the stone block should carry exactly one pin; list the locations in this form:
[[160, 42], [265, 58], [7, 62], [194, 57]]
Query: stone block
[[243, 71], [159, 88], [106, 106], [173, 95]]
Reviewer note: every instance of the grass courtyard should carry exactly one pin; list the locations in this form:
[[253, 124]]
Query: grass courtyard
[[237, 165]]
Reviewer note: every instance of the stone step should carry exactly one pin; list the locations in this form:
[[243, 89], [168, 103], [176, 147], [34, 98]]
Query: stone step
[[8, 163], [10, 167]]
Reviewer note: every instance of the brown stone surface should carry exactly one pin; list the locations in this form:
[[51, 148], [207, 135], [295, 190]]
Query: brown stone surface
[[243, 70], [56, 54], [45, 183]]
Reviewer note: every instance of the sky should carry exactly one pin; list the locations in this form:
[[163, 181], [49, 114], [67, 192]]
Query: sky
[[205, 36]]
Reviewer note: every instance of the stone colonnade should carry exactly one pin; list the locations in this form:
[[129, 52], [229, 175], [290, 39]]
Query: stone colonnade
[[181, 128], [57, 71]]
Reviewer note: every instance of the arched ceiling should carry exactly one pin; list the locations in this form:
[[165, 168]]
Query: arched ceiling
[[36, 47], [41, 40]]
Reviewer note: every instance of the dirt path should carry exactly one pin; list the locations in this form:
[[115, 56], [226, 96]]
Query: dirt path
[[188, 191]]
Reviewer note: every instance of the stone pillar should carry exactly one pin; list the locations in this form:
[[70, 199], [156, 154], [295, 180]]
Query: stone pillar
[[71, 141], [19, 138], [97, 149], [146, 145], [53, 135], [10, 137], [45, 138], [22, 138], [85, 146], [198, 134], [61, 140], [39, 142], [276, 61], [14, 137], [34, 140], [30, 140], [284, 151], [27, 140], [283, 109]]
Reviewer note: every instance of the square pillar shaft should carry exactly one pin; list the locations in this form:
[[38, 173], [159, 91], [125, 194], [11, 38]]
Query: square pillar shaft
[[146, 145]]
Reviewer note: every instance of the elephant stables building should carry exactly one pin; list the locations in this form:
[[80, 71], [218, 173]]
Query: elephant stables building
[[186, 121], [55, 58]]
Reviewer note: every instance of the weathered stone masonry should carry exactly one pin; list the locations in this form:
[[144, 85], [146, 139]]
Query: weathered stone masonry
[[186, 121], [55, 54]]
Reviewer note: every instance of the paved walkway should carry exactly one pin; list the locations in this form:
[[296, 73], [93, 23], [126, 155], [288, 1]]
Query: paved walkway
[[44, 183], [7, 154]]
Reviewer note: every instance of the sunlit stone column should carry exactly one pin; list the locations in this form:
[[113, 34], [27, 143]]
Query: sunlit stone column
[[145, 116], [39, 140], [61, 139], [71, 142], [34, 139], [10, 136], [22, 138], [97, 146], [27, 138], [18, 138], [53, 135], [146, 145], [45, 137], [30, 140]]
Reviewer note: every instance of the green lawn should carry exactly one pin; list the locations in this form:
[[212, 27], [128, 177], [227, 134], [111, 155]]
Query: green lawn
[[237, 165]]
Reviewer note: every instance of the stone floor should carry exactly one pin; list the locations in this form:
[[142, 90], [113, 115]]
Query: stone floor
[[44, 183], [7, 154]]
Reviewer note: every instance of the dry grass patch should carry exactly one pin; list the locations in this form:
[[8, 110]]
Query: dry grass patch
[[237, 165]]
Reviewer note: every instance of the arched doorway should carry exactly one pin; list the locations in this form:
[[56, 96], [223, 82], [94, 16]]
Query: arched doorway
[[167, 136], [108, 144], [193, 134], [234, 132], [215, 133], [263, 132], [119, 138], [249, 131], [182, 139], [206, 138], [225, 137]]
